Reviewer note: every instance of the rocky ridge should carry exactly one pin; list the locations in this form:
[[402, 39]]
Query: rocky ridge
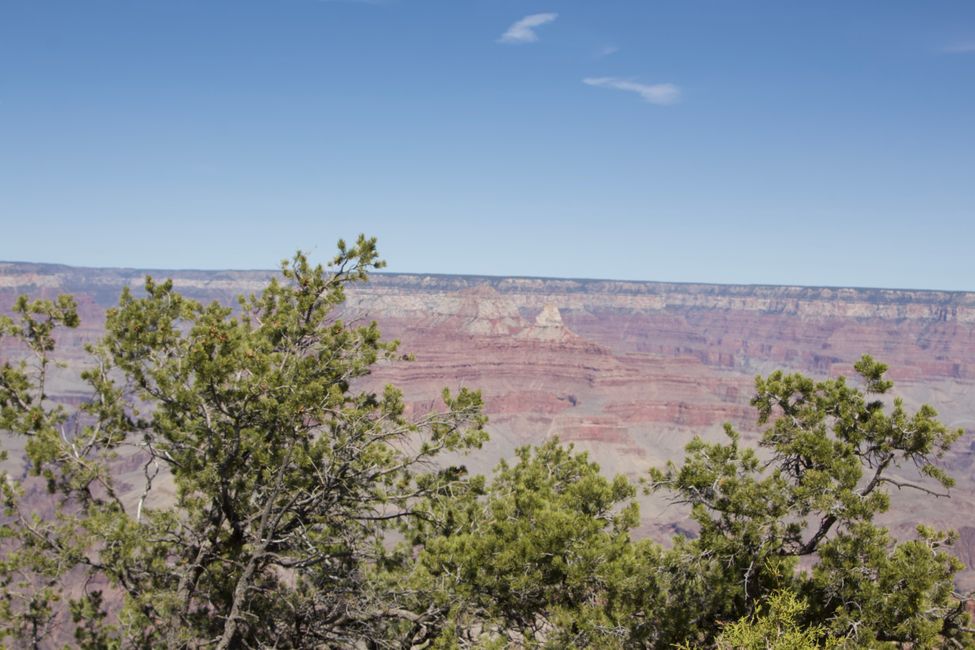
[[629, 371]]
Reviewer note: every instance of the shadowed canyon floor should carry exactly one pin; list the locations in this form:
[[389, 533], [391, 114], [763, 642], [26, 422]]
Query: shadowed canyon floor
[[629, 371]]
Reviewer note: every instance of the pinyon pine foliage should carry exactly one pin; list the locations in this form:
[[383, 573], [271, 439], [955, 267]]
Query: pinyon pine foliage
[[277, 504], [828, 463], [284, 479]]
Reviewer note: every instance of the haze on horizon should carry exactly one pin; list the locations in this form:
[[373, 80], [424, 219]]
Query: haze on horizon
[[817, 144]]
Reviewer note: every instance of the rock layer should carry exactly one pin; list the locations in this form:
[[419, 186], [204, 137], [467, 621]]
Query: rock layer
[[629, 371]]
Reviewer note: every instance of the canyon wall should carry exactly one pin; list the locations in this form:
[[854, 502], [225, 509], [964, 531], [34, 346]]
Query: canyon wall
[[629, 371]]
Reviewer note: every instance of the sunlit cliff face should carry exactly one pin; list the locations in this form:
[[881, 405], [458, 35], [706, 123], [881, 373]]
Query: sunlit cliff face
[[629, 371]]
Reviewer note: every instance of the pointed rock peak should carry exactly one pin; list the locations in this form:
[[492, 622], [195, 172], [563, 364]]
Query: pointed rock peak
[[550, 316], [548, 326]]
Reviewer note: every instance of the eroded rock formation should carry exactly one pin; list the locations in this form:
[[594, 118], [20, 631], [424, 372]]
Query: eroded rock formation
[[629, 371]]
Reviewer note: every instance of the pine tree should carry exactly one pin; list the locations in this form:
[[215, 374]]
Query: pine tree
[[270, 481]]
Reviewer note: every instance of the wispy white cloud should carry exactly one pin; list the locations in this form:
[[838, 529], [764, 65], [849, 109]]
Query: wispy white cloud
[[653, 93], [523, 31], [607, 50], [960, 48]]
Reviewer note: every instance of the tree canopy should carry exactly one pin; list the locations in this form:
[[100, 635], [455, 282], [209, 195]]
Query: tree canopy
[[277, 503]]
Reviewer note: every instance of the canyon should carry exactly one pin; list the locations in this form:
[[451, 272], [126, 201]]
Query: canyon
[[628, 371]]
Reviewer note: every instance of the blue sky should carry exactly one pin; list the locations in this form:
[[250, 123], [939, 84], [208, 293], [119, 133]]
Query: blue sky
[[780, 142]]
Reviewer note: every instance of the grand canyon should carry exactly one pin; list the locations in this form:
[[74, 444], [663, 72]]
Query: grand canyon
[[628, 371]]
